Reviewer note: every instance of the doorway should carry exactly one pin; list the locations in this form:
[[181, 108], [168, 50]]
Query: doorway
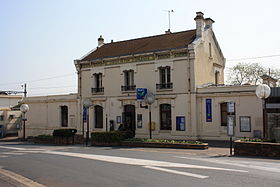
[[129, 118]]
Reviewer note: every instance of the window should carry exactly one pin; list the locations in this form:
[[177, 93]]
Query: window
[[1, 118], [164, 78], [128, 81], [217, 77], [98, 111], [210, 50], [97, 83], [223, 114], [165, 117], [11, 116], [64, 116]]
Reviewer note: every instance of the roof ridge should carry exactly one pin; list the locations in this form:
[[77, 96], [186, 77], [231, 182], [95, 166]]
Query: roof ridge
[[145, 37]]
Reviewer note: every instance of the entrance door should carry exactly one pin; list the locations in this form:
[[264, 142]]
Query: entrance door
[[129, 118]]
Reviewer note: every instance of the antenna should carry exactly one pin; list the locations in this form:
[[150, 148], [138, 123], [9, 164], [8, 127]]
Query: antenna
[[169, 11]]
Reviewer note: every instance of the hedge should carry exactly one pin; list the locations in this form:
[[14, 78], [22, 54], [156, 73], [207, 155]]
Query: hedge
[[64, 132], [108, 137]]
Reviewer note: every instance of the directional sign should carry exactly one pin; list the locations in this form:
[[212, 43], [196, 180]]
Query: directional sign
[[141, 93]]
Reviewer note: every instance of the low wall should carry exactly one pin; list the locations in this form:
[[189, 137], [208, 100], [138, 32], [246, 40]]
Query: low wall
[[154, 145], [256, 149]]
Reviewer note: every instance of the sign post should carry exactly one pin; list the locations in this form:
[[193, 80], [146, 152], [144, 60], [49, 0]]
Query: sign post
[[230, 122]]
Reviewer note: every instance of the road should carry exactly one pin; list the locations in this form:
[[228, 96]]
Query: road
[[39, 165]]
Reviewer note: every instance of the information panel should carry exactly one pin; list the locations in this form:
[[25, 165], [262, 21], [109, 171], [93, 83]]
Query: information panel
[[208, 110], [180, 123], [141, 93]]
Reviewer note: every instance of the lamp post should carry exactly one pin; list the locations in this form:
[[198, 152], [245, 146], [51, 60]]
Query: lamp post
[[24, 108], [263, 91], [150, 99], [87, 103]]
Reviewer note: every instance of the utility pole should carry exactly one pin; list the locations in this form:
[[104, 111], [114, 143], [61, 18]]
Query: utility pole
[[25, 91]]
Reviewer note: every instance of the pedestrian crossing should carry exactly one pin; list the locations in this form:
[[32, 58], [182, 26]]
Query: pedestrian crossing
[[7, 154]]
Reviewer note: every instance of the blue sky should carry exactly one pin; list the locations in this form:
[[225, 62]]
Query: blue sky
[[39, 39]]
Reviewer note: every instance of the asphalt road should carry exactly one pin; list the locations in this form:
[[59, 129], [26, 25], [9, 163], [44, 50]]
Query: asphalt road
[[37, 165]]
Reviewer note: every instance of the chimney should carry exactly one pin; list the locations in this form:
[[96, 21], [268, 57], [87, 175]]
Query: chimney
[[199, 19], [208, 23], [100, 41], [168, 31]]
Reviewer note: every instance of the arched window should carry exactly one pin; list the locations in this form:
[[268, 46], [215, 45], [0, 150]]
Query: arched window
[[98, 111], [165, 117]]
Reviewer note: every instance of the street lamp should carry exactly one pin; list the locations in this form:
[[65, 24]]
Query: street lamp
[[263, 92], [150, 99], [87, 103], [24, 108]]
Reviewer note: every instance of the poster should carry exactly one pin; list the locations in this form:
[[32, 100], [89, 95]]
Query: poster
[[139, 121], [245, 124], [230, 125], [208, 110], [180, 123]]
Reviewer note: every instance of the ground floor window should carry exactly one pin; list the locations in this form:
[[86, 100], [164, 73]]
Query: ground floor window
[[64, 116], [223, 114], [165, 117], [98, 110]]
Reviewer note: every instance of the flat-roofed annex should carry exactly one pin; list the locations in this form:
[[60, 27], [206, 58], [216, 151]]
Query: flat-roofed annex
[[162, 42]]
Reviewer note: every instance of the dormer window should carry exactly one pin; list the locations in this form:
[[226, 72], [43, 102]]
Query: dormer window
[[164, 78], [128, 81], [98, 87]]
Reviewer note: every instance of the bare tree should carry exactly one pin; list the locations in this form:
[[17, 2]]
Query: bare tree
[[246, 73]]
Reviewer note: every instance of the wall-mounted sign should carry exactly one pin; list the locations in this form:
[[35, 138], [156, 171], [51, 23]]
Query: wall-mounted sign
[[180, 123], [230, 125], [141, 93], [119, 119], [84, 114], [208, 110], [245, 124], [139, 121], [231, 107]]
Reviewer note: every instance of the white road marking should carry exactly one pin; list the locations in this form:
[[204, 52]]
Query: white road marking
[[266, 166], [14, 148], [143, 162], [177, 172], [151, 164], [21, 179], [12, 153]]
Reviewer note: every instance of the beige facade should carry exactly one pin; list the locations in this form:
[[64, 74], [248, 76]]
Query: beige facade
[[9, 100], [247, 106], [45, 114], [10, 121], [198, 63]]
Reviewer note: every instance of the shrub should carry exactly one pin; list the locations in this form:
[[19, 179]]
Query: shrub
[[163, 141], [64, 132], [108, 137]]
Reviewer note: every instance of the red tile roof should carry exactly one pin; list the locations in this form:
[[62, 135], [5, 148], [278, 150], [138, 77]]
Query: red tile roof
[[143, 45]]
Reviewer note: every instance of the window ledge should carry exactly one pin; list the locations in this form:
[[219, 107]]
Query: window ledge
[[98, 93], [165, 90]]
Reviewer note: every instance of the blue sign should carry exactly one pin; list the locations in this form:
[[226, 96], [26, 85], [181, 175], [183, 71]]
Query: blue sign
[[84, 114], [141, 93], [208, 110], [180, 123]]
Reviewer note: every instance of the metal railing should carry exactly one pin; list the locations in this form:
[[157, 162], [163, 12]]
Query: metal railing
[[168, 85], [128, 88], [97, 90]]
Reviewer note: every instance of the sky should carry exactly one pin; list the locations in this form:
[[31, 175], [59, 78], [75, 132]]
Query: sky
[[40, 39]]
